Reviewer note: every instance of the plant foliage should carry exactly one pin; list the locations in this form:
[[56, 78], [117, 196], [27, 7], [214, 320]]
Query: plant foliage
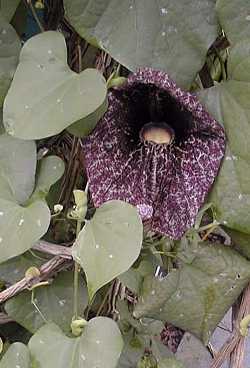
[[94, 287]]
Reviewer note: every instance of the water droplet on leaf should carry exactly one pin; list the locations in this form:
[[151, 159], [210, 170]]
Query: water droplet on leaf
[[21, 222], [164, 11]]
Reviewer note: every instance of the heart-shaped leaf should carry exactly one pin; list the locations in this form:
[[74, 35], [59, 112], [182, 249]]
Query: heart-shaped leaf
[[54, 301], [9, 52], [23, 220], [196, 296], [18, 166], [100, 346], [169, 35], [55, 97], [21, 227], [108, 244], [17, 356], [229, 102], [8, 8], [234, 17]]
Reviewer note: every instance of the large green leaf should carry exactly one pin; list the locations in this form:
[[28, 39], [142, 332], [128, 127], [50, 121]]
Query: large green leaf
[[23, 220], [169, 35], [9, 52], [108, 244], [100, 346], [234, 17], [18, 166], [55, 96], [229, 102], [8, 8], [17, 356], [197, 295], [54, 301]]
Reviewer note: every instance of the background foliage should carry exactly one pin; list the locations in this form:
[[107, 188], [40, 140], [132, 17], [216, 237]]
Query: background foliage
[[81, 281]]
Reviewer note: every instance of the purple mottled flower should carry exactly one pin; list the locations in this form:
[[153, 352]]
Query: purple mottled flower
[[156, 148]]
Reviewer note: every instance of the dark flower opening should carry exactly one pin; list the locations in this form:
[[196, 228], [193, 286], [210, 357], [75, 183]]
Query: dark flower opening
[[149, 104], [169, 179]]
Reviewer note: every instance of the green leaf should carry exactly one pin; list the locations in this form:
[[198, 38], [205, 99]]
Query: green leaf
[[18, 166], [229, 102], [100, 346], [132, 352], [135, 347], [54, 301], [167, 35], [50, 170], [133, 278], [192, 352], [17, 356], [9, 52], [55, 97], [170, 363], [14, 269], [196, 296], [150, 327], [234, 17], [83, 127], [241, 242], [23, 220], [109, 243], [21, 227], [8, 8]]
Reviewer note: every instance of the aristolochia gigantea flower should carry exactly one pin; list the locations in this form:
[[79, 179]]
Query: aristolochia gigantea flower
[[157, 148]]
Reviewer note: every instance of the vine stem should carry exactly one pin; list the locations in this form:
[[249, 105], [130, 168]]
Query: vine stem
[[33, 11], [76, 276]]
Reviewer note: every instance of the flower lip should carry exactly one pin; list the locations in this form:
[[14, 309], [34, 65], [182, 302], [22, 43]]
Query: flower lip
[[167, 183], [157, 133]]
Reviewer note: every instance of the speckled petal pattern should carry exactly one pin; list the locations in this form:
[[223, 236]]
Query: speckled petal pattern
[[167, 183]]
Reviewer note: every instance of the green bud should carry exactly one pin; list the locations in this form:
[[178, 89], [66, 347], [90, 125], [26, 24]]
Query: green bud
[[81, 205], [77, 326], [147, 361], [116, 82]]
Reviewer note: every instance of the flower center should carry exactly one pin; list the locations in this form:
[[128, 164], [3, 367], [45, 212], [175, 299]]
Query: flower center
[[159, 133]]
